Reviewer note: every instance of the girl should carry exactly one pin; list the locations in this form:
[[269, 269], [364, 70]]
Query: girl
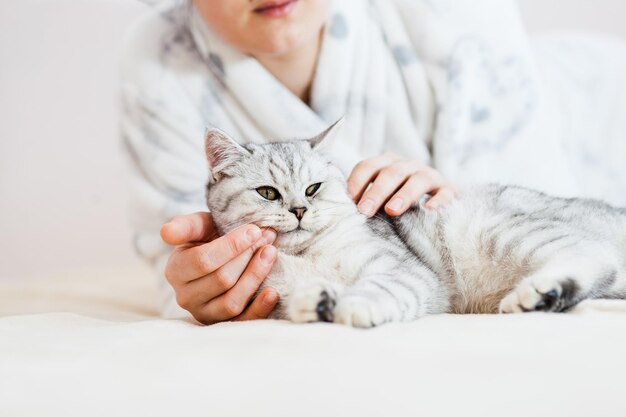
[[429, 89]]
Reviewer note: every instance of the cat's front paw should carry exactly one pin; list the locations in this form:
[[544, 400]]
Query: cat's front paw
[[541, 294], [358, 311], [312, 302]]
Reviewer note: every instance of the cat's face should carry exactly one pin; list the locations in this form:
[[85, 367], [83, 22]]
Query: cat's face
[[289, 187]]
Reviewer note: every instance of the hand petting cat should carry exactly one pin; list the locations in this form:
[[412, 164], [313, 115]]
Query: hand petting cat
[[397, 183], [214, 277]]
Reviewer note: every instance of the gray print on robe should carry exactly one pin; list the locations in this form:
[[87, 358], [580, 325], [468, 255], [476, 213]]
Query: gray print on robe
[[404, 55], [338, 27], [495, 97]]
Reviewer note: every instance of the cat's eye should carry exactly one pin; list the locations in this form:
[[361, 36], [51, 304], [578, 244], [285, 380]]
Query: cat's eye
[[268, 193], [312, 189]]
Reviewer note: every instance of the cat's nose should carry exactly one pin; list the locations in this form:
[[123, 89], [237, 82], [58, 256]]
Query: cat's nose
[[298, 211]]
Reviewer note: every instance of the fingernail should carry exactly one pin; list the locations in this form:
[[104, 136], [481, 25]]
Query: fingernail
[[268, 254], [269, 236], [253, 234], [271, 298], [366, 206], [395, 204]]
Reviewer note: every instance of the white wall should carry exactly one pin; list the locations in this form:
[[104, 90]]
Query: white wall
[[593, 15], [62, 197], [62, 202]]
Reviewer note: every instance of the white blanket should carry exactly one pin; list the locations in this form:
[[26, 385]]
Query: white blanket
[[112, 357]]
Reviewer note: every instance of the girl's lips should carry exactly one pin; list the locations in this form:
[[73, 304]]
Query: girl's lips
[[276, 8]]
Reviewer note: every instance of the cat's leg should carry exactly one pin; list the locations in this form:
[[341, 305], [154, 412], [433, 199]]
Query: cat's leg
[[313, 300], [406, 292], [588, 271], [390, 285], [403, 294], [302, 292]]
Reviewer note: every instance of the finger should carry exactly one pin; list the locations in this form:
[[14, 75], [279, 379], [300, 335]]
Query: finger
[[226, 277], [191, 263], [415, 187], [232, 303], [385, 185], [197, 227], [198, 292], [443, 197], [364, 173], [261, 306]]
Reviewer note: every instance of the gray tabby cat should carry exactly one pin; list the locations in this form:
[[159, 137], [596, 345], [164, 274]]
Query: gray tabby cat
[[495, 248]]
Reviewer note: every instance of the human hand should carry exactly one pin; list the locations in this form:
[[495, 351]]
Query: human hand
[[214, 277], [397, 183]]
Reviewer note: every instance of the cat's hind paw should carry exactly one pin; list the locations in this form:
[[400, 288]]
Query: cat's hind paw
[[541, 294], [312, 302]]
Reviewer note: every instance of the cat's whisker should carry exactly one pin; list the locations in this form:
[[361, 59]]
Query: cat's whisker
[[329, 208]]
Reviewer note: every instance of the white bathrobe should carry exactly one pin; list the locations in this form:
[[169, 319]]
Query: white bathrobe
[[456, 84]]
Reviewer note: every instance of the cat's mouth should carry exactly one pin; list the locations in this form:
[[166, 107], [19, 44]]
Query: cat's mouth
[[294, 238], [296, 230]]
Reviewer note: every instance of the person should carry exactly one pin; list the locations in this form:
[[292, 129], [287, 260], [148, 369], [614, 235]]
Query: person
[[433, 92]]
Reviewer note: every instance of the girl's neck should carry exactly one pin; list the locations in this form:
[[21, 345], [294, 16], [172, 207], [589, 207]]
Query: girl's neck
[[295, 70]]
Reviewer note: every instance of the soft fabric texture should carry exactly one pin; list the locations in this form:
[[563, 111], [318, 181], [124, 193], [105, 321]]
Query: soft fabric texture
[[89, 342], [444, 82], [105, 353]]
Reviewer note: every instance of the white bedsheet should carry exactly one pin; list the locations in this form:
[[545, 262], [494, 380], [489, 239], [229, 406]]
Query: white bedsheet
[[108, 355]]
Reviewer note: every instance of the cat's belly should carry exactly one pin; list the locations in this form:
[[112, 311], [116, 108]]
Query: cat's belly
[[481, 271], [480, 287]]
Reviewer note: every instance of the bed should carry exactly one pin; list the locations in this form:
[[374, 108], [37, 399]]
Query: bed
[[92, 344]]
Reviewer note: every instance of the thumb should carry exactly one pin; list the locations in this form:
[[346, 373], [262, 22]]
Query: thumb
[[196, 227]]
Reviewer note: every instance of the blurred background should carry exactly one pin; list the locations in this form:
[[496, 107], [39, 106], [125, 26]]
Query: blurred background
[[62, 176]]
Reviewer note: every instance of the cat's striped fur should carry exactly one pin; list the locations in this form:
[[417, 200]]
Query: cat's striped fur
[[495, 248]]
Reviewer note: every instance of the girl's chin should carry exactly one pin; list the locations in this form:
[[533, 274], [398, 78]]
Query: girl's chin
[[278, 38], [270, 48]]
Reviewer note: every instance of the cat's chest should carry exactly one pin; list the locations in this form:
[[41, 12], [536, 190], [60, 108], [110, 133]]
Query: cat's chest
[[339, 265], [329, 264]]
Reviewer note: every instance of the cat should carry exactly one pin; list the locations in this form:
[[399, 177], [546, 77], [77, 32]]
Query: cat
[[494, 249]]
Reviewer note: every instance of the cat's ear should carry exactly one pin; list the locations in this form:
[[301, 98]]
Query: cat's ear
[[326, 136], [221, 151]]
